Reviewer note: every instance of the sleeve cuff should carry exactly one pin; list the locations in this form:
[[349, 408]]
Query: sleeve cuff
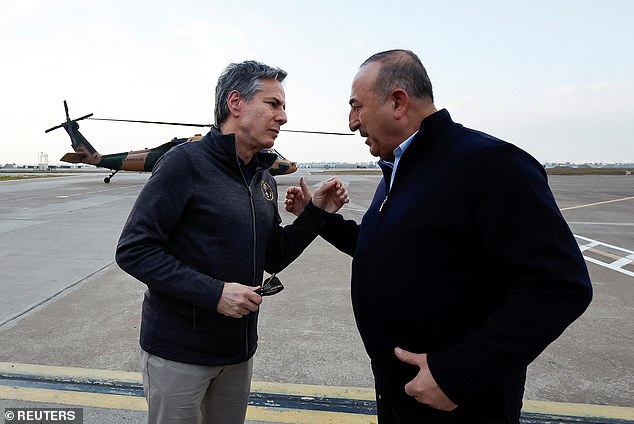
[[319, 215]]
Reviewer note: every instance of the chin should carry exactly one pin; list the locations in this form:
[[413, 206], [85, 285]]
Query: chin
[[266, 145]]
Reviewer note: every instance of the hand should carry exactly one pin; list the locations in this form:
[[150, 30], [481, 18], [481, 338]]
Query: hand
[[238, 300], [423, 387], [331, 196], [297, 198]]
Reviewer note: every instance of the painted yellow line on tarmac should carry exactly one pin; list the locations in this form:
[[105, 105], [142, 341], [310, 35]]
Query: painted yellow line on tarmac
[[297, 416], [578, 410], [357, 393], [254, 413], [597, 203], [280, 415], [74, 373], [69, 372], [131, 403], [136, 403]]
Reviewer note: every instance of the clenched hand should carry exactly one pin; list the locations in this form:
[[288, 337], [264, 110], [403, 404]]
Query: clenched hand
[[238, 300], [330, 196]]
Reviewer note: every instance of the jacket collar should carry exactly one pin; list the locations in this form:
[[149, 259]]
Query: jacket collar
[[434, 123], [225, 145]]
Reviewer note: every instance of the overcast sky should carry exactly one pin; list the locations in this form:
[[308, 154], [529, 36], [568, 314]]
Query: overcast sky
[[554, 77]]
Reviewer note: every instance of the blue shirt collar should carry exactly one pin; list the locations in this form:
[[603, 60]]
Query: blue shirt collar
[[398, 153]]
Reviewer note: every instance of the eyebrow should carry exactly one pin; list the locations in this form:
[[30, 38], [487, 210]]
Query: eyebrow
[[276, 99]]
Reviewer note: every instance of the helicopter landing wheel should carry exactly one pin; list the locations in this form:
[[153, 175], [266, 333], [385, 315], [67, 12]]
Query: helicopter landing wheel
[[107, 179]]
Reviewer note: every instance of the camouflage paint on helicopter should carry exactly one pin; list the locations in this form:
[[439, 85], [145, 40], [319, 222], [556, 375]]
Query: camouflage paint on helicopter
[[138, 160]]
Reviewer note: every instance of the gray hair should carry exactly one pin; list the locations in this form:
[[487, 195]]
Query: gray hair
[[245, 79], [401, 69]]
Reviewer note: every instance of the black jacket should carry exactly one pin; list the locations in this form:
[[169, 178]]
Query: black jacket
[[467, 259], [198, 223]]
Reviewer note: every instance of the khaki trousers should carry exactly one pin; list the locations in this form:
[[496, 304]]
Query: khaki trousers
[[179, 393]]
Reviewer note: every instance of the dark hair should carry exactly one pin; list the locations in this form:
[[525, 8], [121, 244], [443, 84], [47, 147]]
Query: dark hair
[[401, 69], [245, 79]]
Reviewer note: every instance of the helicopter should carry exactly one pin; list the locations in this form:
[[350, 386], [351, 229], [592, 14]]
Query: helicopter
[[144, 160]]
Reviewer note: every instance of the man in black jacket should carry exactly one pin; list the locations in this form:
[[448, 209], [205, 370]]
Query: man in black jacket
[[464, 269], [201, 233]]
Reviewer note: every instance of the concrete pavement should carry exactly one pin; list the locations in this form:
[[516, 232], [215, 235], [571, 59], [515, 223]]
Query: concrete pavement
[[68, 309]]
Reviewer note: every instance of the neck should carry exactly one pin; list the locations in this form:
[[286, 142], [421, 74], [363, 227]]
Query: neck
[[243, 152], [424, 112]]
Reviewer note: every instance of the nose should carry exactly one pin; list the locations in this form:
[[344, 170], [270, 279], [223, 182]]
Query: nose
[[281, 117], [353, 120]]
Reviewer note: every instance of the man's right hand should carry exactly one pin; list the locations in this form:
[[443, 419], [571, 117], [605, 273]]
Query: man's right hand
[[331, 195], [238, 300]]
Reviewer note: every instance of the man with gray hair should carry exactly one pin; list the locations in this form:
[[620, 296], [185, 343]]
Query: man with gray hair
[[201, 233]]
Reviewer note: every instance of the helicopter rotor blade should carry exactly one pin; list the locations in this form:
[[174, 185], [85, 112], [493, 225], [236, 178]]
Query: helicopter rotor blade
[[84, 117], [68, 120], [208, 125], [151, 122], [317, 132], [54, 128]]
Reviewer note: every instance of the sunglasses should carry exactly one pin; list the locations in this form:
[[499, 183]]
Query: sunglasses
[[271, 286]]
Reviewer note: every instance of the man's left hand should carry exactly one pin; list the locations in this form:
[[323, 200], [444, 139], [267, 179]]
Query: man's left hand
[[297, 198], [423, 387]]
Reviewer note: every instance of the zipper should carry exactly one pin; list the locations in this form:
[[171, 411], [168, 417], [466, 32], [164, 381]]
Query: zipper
[[246, 333], [253, 227], [383, 203]]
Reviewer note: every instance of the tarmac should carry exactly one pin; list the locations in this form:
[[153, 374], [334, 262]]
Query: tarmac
[[69, 317]]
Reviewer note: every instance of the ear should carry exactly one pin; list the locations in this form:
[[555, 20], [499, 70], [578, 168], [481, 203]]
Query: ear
[[233, 102], [400, 102]]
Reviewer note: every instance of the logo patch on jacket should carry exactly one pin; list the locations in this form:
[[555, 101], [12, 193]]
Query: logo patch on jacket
[[267, 191]]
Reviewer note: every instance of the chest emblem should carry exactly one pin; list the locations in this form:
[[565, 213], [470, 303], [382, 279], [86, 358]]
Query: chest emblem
[[267, 191]]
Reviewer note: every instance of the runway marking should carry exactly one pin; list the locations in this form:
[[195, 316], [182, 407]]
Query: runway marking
[[615, 224], [597, 203], [309, 403], [614, 262], [617, 264], [50, 297], [65, 196]]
